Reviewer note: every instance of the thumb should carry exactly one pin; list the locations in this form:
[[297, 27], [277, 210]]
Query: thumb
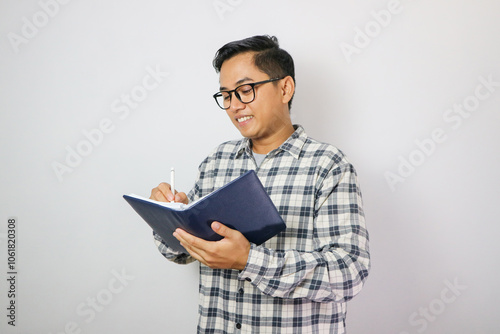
[[221, 229]]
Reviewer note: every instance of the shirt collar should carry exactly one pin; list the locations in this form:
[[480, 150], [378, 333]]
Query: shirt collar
[[292, 145]]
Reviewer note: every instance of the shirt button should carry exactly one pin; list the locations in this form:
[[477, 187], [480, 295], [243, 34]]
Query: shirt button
[[248, 279], [238, 325], [240, 291]]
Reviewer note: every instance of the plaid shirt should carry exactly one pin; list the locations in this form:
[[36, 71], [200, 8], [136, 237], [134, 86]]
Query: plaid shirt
[[300, 280]]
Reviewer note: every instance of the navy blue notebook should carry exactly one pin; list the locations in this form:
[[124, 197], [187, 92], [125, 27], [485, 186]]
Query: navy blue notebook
[[242, 204]]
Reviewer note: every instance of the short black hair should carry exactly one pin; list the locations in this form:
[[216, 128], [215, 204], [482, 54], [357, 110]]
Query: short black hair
[[269, 57]]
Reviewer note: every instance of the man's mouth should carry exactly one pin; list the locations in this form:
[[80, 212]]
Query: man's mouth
[[243, 119]]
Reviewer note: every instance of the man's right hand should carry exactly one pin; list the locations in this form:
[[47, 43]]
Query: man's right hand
[[163, 193]]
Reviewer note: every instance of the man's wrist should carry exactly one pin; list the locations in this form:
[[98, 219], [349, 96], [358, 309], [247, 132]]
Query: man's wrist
[[251, 272], [243, 260]]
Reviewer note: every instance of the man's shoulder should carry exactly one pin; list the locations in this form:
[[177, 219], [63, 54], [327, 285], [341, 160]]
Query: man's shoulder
[[319, 149], [227, 149], [230, 146]]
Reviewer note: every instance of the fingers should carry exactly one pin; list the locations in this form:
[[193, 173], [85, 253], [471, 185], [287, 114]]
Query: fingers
[[222, 230], [190, 241], [181, 197], [163, 193], [229, 253], [191, 244]]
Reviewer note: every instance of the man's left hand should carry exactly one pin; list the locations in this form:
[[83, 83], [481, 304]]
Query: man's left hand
[[228, 253]]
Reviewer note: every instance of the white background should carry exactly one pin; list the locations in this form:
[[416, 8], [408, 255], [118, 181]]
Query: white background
[[435, 227]]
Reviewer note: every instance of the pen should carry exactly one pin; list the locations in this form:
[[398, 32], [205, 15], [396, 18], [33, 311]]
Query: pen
[[172, 182]]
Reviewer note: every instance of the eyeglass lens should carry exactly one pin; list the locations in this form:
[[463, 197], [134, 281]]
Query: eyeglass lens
[[244, 93]]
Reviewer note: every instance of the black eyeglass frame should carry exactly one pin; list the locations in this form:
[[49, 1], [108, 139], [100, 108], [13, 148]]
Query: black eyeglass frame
[[252, 84]]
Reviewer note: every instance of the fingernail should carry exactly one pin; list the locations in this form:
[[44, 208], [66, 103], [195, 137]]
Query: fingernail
[[215, 226]]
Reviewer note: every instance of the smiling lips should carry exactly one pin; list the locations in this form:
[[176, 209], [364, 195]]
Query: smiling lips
[[243, 119]]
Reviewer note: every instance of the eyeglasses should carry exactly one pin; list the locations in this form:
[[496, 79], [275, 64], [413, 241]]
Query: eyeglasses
[[245, 93]]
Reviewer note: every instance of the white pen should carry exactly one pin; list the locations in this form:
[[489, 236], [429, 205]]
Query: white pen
[[172, 182]]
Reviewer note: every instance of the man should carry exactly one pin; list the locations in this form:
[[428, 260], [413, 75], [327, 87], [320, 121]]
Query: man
[[300, 280]]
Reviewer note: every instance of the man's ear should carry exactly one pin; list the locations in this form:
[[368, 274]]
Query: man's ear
[[287, 89]]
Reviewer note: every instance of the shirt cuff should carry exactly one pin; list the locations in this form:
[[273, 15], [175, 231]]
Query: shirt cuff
[[257, 265]]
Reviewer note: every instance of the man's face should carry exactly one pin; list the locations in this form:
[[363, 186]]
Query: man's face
[[268, 114]]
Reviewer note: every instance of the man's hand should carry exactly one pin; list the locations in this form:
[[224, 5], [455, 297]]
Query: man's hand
[[163, 193], [228, 253]]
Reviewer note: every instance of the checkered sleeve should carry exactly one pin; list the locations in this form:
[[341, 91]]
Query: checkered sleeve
[[170, 254], [339, 264]]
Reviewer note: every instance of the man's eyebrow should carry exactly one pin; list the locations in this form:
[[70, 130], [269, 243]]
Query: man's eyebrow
[[239, 82]]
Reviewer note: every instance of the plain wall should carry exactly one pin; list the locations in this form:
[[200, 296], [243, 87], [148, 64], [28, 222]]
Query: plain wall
[[409, 90]]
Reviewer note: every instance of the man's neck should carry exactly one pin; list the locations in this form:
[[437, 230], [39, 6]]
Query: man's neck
[[264, 146]]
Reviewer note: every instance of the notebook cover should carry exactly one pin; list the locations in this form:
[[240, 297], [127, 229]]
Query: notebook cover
[[241, 204]]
